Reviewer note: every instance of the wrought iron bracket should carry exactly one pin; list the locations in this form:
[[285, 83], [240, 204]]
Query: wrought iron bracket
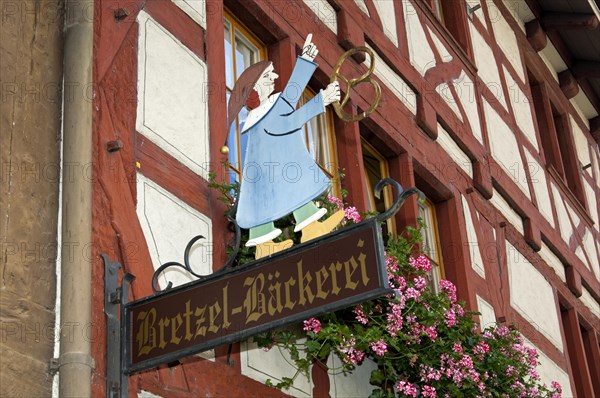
[[115, 298]]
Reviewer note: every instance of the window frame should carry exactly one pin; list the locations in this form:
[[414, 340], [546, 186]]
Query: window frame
[[236, 26], [329, 126], [556, 141], [385, 173], [428, 206], [453, 26]]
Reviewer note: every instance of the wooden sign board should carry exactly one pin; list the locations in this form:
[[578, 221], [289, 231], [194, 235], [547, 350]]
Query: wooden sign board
[[342, 269]]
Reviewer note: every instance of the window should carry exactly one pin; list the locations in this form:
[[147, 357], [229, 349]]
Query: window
[[557, 143], [575, 337], [242, 49], [431, 241], [453, 15], [376, 169], [320, 141]]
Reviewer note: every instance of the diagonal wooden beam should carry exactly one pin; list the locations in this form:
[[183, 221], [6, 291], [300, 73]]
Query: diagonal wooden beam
[[554, 21]]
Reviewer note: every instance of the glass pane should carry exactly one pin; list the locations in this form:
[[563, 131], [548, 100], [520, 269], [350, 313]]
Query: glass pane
[[245, 55], [228, 57], [318, 142], [233, 176]]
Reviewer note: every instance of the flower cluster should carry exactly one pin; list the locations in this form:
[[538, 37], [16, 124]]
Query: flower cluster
[[423, 341], [312, 325], [421, 338]]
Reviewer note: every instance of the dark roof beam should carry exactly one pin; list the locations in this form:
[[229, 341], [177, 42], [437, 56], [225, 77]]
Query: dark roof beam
[[586, 69], [555, 21], [595, 128], [568, 84], [536, 35]]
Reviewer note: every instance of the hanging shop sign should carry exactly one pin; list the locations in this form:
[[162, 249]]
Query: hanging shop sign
[[343, 269], [326, 272]]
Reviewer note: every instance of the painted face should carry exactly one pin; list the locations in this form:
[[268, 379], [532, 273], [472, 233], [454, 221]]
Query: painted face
[[266, 83]]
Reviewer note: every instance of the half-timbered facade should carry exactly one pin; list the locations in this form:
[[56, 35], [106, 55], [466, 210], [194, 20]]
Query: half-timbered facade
[[490, 108]]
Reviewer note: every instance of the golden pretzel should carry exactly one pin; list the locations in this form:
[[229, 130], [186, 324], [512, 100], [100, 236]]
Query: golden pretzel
[[364, 78]]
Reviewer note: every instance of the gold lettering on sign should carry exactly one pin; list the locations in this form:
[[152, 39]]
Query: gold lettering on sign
[[146, 335], [200, 328], [188, 320], [333, 269], [304, 289], [226, 322], [289, 304], [322, 276], [163, 324], [254, 303], [176, 323], [213, 312], [260, 297], [274, 306]]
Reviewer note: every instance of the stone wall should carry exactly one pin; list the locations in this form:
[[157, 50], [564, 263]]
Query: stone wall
[[30, 111]]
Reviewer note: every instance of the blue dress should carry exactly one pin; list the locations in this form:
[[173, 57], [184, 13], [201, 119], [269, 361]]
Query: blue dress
[[279, 174]]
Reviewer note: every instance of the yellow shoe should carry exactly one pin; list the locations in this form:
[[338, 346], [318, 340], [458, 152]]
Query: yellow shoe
[[318, 228], [268, 248]]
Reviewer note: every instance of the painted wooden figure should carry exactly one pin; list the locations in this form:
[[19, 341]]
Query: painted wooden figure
[[280, 175]]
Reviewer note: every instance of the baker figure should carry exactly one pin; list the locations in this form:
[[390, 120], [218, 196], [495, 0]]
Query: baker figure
[[275, 144]]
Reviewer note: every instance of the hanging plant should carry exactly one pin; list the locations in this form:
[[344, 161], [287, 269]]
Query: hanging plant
[[422, 340]]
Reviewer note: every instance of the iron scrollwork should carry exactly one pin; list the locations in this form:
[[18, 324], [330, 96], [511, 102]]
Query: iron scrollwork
[[186, 256], [400, 197]]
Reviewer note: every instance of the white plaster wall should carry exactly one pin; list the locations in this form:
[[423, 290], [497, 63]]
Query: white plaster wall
[[532, 296], [172, 107], [444, 91], [549, 371], [387, 14], [168, 225], [589, 301], [487, 65], [394, 82], [474, 249], [196, 9], [522, 109], [592, 200], [505, 148], [325, 12], [561, 213], [589, 247], [450, 146], [553, 261], [274, 364], [488, 314], [507, 211], [351, 385], [363, 6], [478, 14], [441, 48], [421, 55], [506, 39], [147, 394], [518, 9], [552, 59], [584, 107], [540, 187], [468, 98], [582, 146]]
